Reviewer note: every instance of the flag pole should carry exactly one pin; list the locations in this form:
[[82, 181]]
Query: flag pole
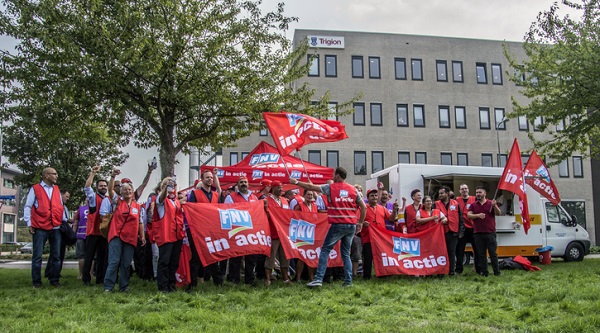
[[303, 166], [285, 166]]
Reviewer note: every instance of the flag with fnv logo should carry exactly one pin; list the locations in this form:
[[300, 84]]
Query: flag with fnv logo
[[291, 131], [302, 235], [513, 181], [228, 230], [538, 177]]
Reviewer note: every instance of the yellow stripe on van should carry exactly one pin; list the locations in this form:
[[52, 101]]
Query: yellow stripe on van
[[534, 219]]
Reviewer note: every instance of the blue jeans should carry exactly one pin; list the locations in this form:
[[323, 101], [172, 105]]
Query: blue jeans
[[120, 255], [39, 240], [345, 232]]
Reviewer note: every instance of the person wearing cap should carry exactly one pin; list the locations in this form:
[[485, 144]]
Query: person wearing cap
[[342, 202], [305, 204], [242, 194], [203, 193], [275, 199], [384, 200], [265, 189]]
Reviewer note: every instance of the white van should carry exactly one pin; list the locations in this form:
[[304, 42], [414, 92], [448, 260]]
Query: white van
[[550, 225]]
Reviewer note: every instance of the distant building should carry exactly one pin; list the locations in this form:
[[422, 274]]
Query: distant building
[[11, 197]]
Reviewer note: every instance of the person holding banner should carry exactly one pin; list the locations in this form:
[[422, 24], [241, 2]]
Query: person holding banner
[[410, 212], [428, 216], [484, 224], [305, 204], [454, 227], [342, 202], [275, 199], [464, 202], [375, 218]]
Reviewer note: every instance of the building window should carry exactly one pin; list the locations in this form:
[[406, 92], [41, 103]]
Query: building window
[[574, 207], [525, 158], [446, 158], [419, 115], [8, 230], [486, 160], [359, 114], [8, 183], [457, 71], [376, 114], [481, 73], [263, 132], [376, 161], [462, 159], [233, 158], [403, 157], [502, 160], [420, 157], [360, 163], [499, 119], [416, 67], [563, 169], [313, 59], [244, 154], [444, 113], [537, 122], [484, 118], [314, 156], [520, 77], [442, 70], [400, 66], [374, 68], [496, 74], [333, 159], [560, 126], [523, 124], [357, 67], [331, 66], [460, 117], [402, 115], [332, 106], [577, 167]]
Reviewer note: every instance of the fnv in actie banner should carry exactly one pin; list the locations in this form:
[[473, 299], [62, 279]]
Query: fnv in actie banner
[[228, 230], [302, 235], [422, 253]]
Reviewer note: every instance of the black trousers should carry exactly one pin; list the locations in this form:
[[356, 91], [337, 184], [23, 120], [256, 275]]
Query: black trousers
[[196, 267], [142, 259], [235, 269], [95, 246], [460, 251], [168, 263], [451, 245], [483, 242], [367, 255]]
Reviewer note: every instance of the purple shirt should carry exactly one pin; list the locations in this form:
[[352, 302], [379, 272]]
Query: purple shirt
[[83, 212], [389, 225], [487, 224]]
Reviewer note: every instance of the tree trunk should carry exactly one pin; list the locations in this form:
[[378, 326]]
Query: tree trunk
[[167, 159]]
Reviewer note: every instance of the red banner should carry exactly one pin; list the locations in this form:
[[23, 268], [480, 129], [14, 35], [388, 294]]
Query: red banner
[[228, 230], [422, 253], [182, 276], [292, 131], [513, 181], [538, 177], [302, 235]]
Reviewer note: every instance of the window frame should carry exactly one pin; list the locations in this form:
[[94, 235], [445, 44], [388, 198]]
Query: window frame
[[447, 108], [398, 106], [482, 65], [404, 153], [536, 127], [362, 67], [378, 76], [362, 104], [580, 163], [334, 57], [373, 153], [437, 70], [380, 113], [523, 120], [337, 158], [358, 153], [412, 69], [329, 105], [487, 111], [420, 153], [566, 164], [465, 155], [487, 155], [313, 57], [494, 82], [460, 63], [464, 112], [422, 106], [500, 125], [403, 61], [314, 151], [499, 159], [445, 154], [237, 158]]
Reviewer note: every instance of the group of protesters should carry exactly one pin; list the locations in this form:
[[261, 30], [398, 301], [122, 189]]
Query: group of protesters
[[152, 234]]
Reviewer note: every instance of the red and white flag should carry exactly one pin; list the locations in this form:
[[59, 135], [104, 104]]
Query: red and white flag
[[538, 177], [291, 131], [513, 181]]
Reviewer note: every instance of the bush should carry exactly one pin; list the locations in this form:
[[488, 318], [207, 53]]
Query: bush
[[595, 249]]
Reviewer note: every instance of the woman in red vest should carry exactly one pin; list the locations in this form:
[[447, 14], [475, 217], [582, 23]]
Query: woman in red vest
[[305, 204], [427, 216], [125, 227]]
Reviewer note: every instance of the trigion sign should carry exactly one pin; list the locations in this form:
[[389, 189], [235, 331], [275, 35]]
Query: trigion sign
[[326, 42]]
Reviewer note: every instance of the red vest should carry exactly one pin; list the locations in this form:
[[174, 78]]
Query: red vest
[[237, 197], [201, 197], [410, 218], [425, 214], [342, 207], [273, 203], [49, 212], [304, 207], [94, 219], [465, 209], [451, 214], [125, 223], [169, 229], [376, 218]]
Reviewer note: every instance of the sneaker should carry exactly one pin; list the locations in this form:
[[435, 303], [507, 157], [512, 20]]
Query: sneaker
[[345, 285], [107, 290], [56, 285], [314, 284]]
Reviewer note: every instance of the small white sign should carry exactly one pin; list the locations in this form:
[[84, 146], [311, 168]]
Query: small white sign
[[326, 42]]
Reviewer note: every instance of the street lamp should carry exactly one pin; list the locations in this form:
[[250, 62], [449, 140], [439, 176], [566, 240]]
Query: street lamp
[[501, 122]]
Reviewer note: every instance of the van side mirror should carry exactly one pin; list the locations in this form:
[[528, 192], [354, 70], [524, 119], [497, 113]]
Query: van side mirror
[[565, 222], [574, 220]]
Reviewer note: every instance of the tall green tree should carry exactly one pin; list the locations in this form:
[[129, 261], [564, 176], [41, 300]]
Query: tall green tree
[[159, 73], [560, 78]]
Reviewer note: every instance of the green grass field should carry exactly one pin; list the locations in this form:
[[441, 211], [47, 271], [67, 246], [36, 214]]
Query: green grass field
[[563, 297]]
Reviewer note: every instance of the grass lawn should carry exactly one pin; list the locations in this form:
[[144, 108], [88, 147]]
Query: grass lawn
[[563, 297]]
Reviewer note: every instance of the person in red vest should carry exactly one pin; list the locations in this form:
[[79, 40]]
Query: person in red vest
[[241, 194], [465, 201], [483, 213], [428, 216], [454, 227], [342, 202], [410, 212], [167, 228], [203, 193], [305, 204], [95, 243], [275, 199], [265, 190], [43, 213], [125, 227]]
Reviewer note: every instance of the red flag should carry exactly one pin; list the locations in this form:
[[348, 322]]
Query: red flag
[[422, 253], [226, 231], [182, 276], [538, 177], [302, 234], [292, 131], [512, 181]]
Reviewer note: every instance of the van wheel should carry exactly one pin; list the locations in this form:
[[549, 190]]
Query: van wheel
[[574, 252]]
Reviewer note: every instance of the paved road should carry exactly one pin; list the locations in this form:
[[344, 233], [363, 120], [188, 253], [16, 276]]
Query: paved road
[[23, 264]]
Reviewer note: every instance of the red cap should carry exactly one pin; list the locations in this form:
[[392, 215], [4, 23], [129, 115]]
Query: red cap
[[371, 191], [264, 183], [242, 178], [126, 180], [275, 183]]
